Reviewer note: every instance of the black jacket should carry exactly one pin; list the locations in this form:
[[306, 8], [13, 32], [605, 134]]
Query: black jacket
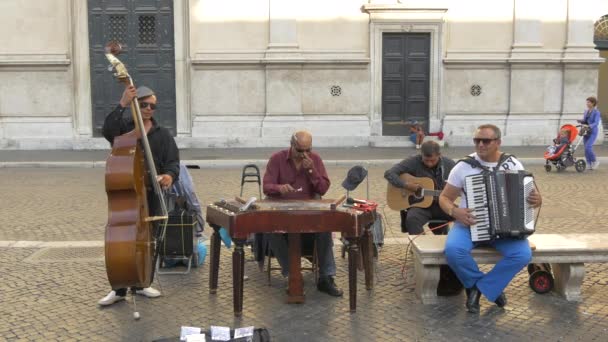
[[414, 166], [162, 145]]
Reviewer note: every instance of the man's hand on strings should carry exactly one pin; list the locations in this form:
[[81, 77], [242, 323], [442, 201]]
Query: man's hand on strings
[[127, 96], [414, 188], [286, 188], [165, 181]]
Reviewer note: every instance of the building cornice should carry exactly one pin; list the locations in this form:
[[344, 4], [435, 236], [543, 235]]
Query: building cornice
[[522, 57], [399, 12], [260, 57], [38, 60]]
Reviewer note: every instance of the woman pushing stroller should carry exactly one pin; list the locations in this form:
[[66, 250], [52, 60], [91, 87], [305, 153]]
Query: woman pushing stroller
[[592, 119]]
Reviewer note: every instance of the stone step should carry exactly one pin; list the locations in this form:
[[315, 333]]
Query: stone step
[[435, 139], [399, 141]]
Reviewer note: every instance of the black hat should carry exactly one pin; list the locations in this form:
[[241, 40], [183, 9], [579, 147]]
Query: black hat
[[355, 176]]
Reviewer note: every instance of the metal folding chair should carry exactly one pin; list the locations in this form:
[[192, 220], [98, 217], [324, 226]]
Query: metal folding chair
[[313, 258], [251, 174]]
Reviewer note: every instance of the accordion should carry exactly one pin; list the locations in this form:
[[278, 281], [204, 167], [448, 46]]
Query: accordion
[[500, 204]]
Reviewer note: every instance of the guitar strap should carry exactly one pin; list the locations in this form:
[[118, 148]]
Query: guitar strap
[[441, 172]]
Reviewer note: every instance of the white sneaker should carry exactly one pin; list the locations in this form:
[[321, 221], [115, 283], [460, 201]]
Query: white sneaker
[[149, 292], [589, 166], [596, 164], [111, 298], [417, 147]]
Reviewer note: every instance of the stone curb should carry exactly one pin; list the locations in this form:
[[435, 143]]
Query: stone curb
[[100, 243], [45, 244], [233, 163]]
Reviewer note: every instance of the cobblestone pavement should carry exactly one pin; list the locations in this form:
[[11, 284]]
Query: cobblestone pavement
[[50, 293]]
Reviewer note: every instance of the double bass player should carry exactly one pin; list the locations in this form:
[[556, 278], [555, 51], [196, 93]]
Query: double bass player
[[164, 152]]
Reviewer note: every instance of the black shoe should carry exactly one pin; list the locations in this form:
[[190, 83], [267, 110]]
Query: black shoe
[[448, 291], [327, 285], [449, 285], [473, 295], [501, 301]]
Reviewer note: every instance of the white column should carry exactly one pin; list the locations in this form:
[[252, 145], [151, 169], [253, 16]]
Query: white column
[[83, 113], [582, 14], [580, 57], [283, 26], [527, 29], [283, 81], [181, 23]]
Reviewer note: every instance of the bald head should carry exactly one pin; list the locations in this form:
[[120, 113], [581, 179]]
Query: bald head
[[301, 143], [302, 138]]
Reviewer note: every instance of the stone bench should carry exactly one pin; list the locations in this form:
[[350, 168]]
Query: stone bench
[[567, 254]]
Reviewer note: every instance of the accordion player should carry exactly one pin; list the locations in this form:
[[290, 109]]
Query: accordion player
[[500, 204]]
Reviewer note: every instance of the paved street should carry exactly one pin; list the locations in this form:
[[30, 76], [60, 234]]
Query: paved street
[[51, 293]]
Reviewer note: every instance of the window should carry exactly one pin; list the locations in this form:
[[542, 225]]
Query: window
[[600, 33]]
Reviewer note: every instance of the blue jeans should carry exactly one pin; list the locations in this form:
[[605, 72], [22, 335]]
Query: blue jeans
[[325, 253], [516, 255], [589, 140], [414, 137]]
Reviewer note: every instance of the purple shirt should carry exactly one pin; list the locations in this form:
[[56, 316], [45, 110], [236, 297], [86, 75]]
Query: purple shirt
[[282, 170]]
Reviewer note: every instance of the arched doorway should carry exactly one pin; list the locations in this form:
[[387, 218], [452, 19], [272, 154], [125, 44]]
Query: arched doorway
[[600, 38]]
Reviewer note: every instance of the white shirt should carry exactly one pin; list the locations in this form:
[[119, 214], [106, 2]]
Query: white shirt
[[463, 170]]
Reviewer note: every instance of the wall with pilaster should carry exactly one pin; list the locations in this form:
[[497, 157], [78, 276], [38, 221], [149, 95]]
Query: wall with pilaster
[[249, 72], [261, 69], [36, 89], [534, 76]]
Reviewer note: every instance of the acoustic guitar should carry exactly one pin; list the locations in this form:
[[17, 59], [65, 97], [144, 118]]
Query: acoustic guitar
[[401, 199]]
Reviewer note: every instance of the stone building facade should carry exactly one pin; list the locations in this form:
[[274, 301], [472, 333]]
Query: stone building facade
[[246, 73]]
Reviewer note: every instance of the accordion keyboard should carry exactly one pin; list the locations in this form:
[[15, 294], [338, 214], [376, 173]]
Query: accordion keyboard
[[478, 201]]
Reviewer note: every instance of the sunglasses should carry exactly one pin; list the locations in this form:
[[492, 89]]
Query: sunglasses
[[302, 150], [146, 104], [485, 141]]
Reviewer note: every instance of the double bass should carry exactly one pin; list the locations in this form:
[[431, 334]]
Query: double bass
[[130, 242]]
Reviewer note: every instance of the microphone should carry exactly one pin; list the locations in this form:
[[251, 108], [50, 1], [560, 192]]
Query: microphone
[[351, 200]]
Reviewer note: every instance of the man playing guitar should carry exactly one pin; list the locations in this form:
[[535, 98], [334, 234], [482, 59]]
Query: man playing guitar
[[428, 164], [406, 180]]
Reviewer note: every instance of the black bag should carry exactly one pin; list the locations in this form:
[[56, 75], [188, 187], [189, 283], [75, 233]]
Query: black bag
[[449, 284], [378, 231], [179, 236]]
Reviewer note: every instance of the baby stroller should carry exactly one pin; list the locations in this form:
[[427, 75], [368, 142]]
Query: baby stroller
[[564, 157]]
